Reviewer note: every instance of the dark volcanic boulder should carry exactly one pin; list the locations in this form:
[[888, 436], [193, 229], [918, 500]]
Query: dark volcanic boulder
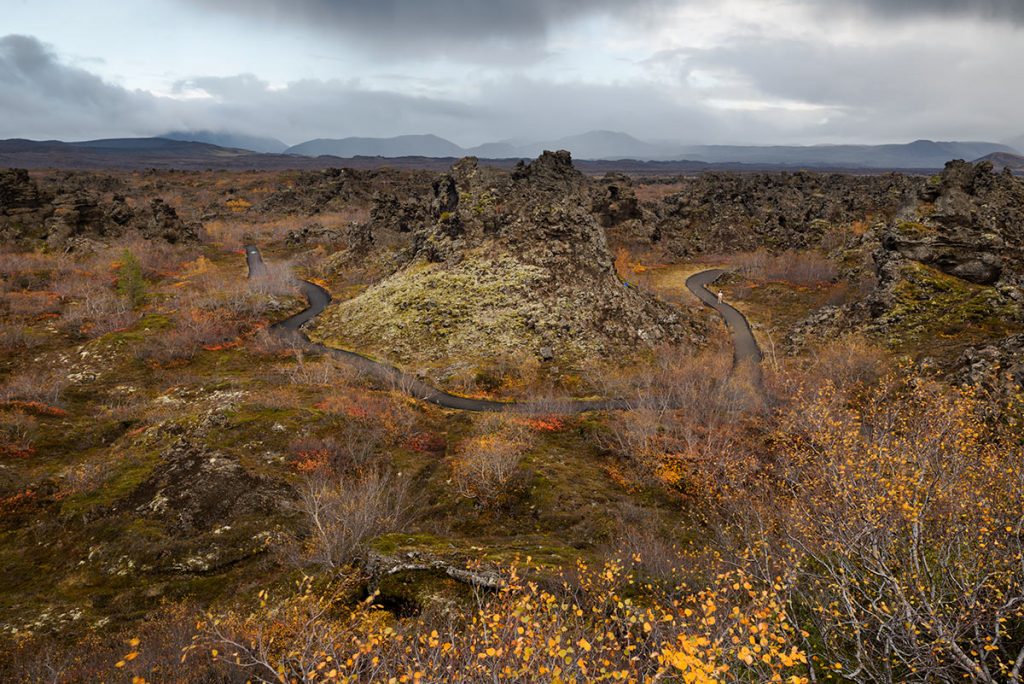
[[313, 234], [970, 224], [19, 192], [615, 201], [163, 223], [23, 206]]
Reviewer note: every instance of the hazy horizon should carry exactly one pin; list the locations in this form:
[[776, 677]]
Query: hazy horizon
[[784, 72]]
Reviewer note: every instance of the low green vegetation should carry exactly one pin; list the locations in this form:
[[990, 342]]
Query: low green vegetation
[[933, 312]]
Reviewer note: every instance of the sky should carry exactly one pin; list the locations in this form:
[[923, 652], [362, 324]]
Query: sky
[[474, 71]]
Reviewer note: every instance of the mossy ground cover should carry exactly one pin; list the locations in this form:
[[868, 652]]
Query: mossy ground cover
[[936, 314], [81, 550]]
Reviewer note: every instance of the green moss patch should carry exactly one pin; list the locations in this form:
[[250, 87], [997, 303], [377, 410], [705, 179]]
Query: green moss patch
[[933, 312]]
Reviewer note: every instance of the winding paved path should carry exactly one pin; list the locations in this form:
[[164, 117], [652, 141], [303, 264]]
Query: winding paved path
[[744, 345], [319, 298]]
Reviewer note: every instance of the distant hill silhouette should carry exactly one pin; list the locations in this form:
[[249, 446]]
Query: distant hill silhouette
[[401, 146], [1005, 160], [238, 141]]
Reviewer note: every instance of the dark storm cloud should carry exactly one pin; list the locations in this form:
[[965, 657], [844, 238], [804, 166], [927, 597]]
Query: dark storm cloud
[[500, 30], [993, 10], [30, 73], [41, 97], [38, 93], [485, 30]]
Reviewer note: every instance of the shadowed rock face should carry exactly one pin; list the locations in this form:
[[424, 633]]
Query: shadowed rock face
[[23, 207], [163, 223], [18, 192], [506, 262], [972, 224]]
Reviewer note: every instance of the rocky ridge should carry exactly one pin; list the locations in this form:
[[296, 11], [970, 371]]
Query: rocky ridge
[[948, 267]]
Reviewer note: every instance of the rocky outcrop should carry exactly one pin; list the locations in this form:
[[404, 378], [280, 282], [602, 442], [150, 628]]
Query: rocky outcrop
[[971, 224], [313, 234], [77, 215], [507, 262], [163, 223], [615, 201], [947, 270], [18, 192], [338, 189], [195, 490], [23, 206], [721, 212], [996, 367]]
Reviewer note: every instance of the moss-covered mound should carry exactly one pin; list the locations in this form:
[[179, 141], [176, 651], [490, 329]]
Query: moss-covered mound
[[511, 262]]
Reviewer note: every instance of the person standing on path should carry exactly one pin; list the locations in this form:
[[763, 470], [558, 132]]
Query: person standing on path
[[719, 296]]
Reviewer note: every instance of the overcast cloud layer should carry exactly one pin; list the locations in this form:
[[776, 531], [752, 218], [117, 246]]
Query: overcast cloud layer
[[717, 71]]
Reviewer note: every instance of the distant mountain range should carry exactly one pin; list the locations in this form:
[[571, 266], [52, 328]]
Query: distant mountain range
[[596, 151], [610, 145]]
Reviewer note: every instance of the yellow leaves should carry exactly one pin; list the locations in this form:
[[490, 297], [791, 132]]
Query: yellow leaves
[[523, 631]]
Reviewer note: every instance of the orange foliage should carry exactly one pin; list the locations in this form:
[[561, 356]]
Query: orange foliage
[[17, 502], [11, 450], [35, 408], [543, 423], [234, 344], [311, 460], [426, 442]]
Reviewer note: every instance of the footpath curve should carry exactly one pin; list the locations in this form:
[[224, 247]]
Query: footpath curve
[[744, 345], [318, 298]]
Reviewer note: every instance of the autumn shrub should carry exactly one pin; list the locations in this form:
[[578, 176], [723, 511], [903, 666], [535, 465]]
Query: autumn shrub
[[45, 385], [27, 304], [17, 433], [592, 628], [322, 371], [151, 651], [795, 267], [15, 338], [131, 285], [352, 446], [487, 462], [895, 504], [341, 512], [642, 539], [191, 331], [907, 508], [99, 311], [683, 411]]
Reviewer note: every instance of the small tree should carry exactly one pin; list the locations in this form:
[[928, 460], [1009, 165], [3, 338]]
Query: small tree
[[130, 282]]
